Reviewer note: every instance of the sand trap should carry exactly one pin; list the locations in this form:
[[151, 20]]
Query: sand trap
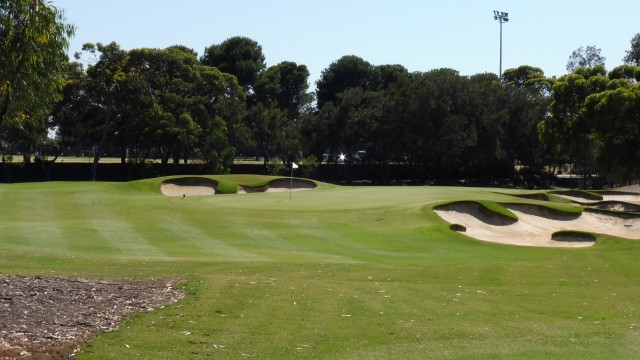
[[536, 224], [189, 186], [616, 206], [199, 186], [279, 185], [607, 196], [633, 198]]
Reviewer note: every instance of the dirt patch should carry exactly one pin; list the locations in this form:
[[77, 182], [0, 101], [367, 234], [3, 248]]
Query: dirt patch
[[189, 186], [50, 317]]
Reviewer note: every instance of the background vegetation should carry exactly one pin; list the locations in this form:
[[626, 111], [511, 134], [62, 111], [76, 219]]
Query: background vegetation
[[173, 105]]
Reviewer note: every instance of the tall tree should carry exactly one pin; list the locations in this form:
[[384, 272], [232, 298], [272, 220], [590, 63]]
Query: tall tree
[[442, 133], [347, 72], [282, 98], [69, 117], [239, 56], [632, 56], [177, 102], [567, 130], [528, 102], [585, 57], [103, 85], [33, 44], [614, 115], [285, 86]]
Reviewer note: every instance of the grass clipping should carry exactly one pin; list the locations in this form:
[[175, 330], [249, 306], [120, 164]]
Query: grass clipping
[[50, 317]]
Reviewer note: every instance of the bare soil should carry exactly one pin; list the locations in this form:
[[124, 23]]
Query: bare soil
[[50, 317]]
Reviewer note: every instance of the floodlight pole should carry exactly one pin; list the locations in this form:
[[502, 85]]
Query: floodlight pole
[[502, 17]]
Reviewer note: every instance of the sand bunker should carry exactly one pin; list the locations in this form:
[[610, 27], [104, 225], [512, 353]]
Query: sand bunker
[[537, 224], [584, 198], [198, 186], [279, 185], [616, 206], [189, 186], [286, 185]]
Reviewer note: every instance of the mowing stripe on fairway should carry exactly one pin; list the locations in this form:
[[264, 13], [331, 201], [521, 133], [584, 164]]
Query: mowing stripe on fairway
[[193, 237], [121, 235]]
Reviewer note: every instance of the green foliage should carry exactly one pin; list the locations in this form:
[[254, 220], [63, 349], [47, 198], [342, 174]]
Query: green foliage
[[614, 115], [276, 166], [585, 57], [32, 57], [632, 56], [239, 56], [308, 166], [347, 72]]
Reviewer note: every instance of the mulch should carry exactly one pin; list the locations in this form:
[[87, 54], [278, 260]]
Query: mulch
[[50, 317]]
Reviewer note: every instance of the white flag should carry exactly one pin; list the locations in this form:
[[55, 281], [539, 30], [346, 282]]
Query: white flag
[[294, 166]]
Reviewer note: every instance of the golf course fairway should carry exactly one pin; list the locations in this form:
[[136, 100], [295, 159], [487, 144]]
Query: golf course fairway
[[334, 272]]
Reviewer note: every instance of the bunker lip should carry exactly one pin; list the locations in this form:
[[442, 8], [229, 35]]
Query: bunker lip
[[537, 225]]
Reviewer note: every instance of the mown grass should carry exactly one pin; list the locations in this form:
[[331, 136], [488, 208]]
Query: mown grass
[[333, 273]]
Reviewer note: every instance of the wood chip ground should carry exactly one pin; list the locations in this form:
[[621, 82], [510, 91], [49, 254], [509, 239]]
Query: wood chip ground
[[50, 317]]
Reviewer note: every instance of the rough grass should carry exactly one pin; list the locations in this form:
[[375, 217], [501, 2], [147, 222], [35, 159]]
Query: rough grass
[[333, 273]]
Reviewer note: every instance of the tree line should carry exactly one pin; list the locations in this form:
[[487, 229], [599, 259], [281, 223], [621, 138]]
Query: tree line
[[173, 105]]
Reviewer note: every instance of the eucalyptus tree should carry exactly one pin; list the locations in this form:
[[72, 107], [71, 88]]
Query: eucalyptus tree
[[585, 57], [103, 89], [33, 45], [632, 56]]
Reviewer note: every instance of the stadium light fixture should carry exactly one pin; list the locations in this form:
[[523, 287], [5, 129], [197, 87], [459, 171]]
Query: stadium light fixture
[[502, 17]]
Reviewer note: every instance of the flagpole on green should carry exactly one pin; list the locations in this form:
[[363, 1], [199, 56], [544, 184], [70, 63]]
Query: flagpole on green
[[293, 166]]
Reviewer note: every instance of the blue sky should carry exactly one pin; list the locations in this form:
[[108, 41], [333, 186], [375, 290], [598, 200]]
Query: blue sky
[[419, 34]]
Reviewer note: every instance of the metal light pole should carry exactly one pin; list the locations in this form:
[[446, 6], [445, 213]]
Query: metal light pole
[[502, 17]]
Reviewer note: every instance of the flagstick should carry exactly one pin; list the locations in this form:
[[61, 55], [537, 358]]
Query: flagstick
[[291, 185]]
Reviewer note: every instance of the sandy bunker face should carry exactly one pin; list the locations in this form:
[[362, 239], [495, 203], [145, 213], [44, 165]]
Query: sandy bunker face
[[536, 224], [189, 186], [197, 186], [287, 184]]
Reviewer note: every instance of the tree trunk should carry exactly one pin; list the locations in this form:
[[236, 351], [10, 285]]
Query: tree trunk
[[5, 108], [103, 139]]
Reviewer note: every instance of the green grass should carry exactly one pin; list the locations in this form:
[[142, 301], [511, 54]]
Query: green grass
[[333, 273]]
